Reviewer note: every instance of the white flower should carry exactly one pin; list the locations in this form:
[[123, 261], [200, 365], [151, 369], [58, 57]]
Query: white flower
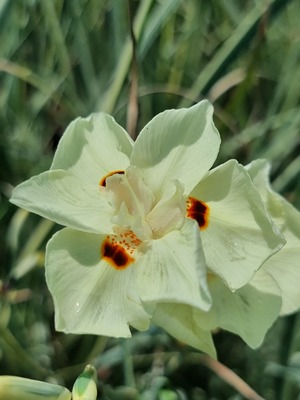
[[136, 213]]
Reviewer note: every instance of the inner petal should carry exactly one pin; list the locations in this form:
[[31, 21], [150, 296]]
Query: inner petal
[[168, 214], [136, 209], [128, 188], [198, 210]]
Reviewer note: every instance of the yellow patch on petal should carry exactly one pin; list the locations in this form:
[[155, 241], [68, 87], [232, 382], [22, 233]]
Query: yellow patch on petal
[[118, 250], [103, 180], [198, 210], [210, 277]]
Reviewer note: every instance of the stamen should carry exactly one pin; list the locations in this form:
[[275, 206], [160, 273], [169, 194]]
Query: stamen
[[103, 180], [197, 210], [118, 250]]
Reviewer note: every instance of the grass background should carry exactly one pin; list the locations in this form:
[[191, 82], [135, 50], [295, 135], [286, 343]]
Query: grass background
[[60, 59]]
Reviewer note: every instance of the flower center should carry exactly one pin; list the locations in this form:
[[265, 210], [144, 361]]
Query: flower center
[[137, 216], [197, 210]]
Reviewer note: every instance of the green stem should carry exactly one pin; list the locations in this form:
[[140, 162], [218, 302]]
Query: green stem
[[128, 364]]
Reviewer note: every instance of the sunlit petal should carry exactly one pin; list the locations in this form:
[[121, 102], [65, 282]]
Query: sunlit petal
[[259, 171], [247, 312], [63, 198], [92, 147], [177, 144], [168, 214], [173, 269], [90, 296], [283, 266], [239, 235], [178, 320]]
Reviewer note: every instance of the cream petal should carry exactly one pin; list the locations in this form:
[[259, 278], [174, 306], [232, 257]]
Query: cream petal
[[263, 282], [178, 320], [177, 144], [247, 312], [168, 214], [239, 236], [283, 266], [173, 269], [90, 296], [92, 147], [63, 198], [259, 171]]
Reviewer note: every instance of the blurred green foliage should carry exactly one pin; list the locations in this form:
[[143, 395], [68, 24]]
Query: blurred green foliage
[[60, 59]]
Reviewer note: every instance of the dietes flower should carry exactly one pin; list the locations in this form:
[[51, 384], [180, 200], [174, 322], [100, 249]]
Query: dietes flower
[[136, 213], [128, 244]]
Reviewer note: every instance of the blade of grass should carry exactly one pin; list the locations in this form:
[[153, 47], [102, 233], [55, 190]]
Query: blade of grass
[[26, 75], [20, 356], [233, 46], [56, 34], [84, 53], [158, 17], [29, 255], [291, 172], [107, 103]]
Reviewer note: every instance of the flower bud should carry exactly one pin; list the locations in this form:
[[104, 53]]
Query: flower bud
[[85, 387], [17, 388]]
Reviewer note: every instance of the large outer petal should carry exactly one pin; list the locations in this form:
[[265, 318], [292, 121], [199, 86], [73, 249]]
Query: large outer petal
[[92, 147], [61, 197], [173, 269], [178, 320], [177, 144], [247, 312], [89, 295], [240, 235], [283, 266], [259, 171]]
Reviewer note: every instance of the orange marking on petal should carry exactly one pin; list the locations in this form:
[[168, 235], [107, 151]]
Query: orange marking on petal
[[199, 211], [210, 277], [103, 180], [118, 250], [116, 255]]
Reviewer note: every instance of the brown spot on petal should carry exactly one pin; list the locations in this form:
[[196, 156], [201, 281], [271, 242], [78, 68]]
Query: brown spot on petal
[[210, 277], [116, 255], [118, 250], [199, 211], [103, 180]]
